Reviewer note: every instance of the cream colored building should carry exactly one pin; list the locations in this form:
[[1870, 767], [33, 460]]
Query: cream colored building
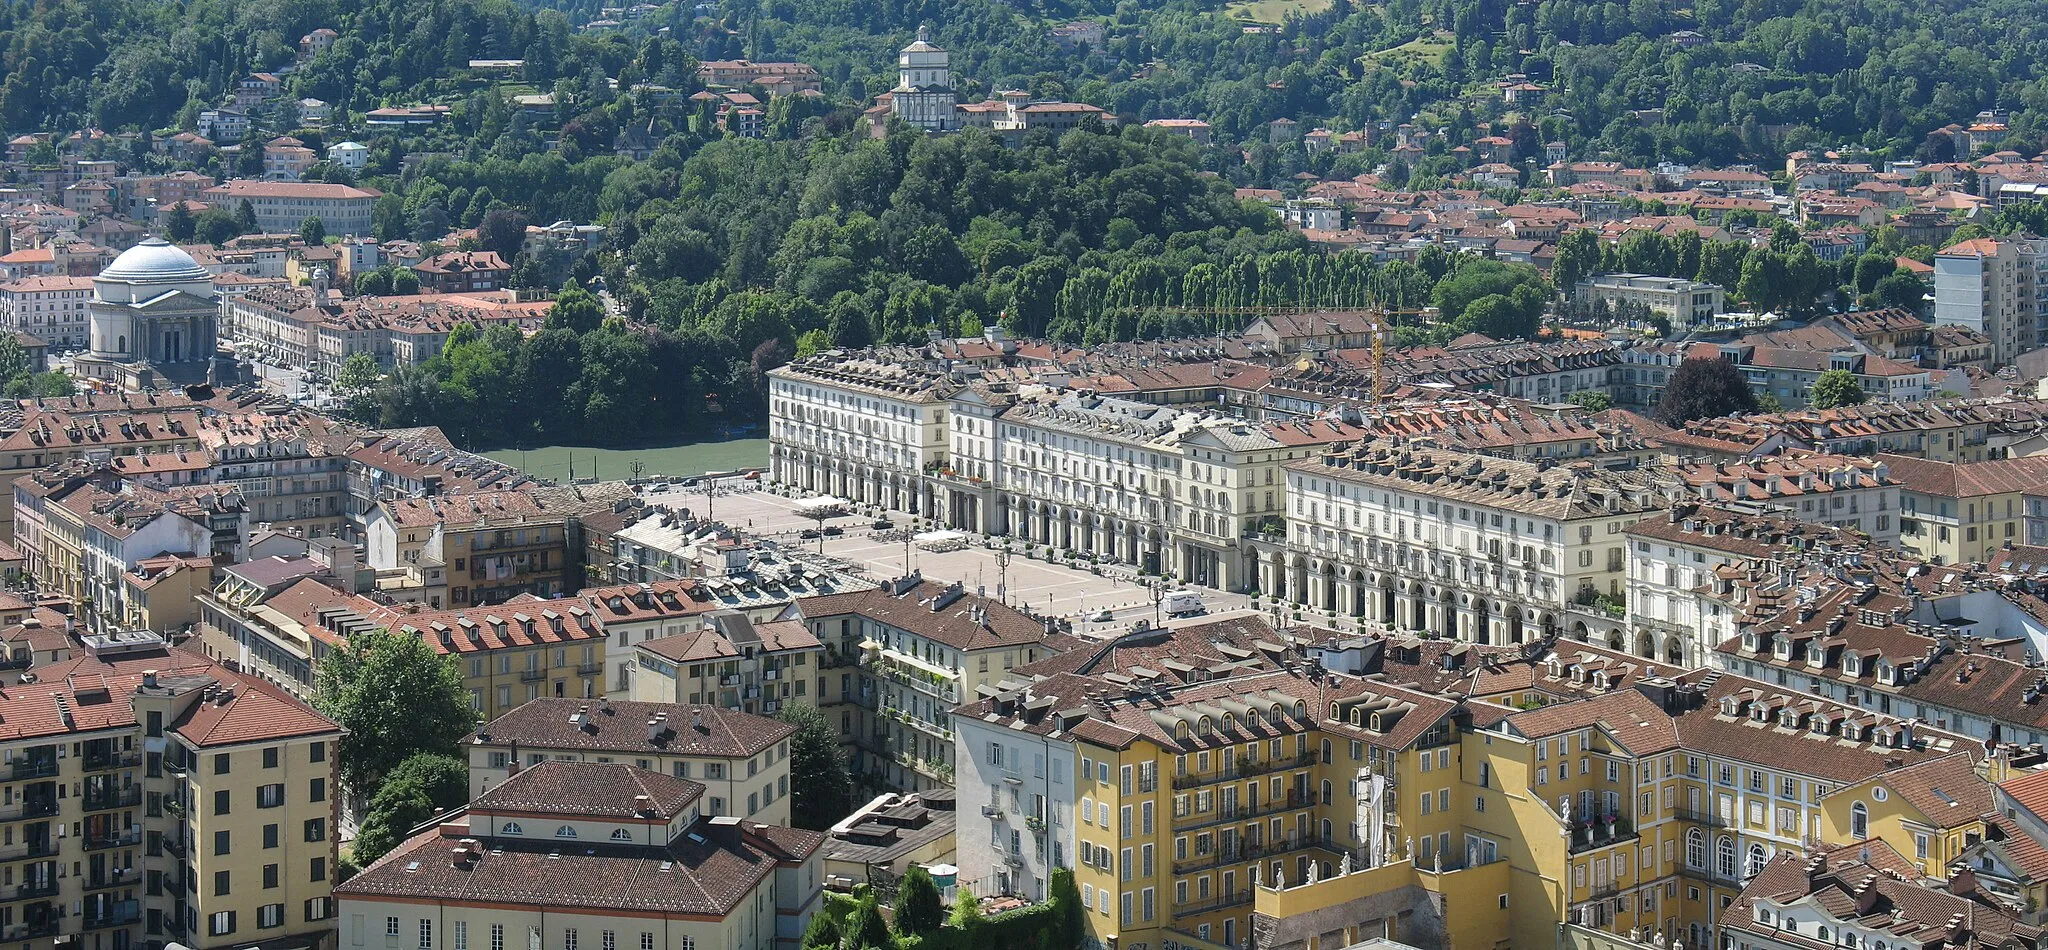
[[741, 760], [1456, 543], [540, 861], [858, 429]]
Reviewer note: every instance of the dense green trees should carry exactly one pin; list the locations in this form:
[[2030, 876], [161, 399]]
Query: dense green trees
[[411, 794], [1836, 387], [1704, 388], [821, 788], [394, 697]]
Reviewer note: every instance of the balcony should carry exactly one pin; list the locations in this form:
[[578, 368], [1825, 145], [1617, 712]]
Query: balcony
[[24, 769], [35, 889], [114, 839], [29, 808], [47, 927], [1214, 904], [1294, 800], [589, 669], [113, 798], [1706, 818], [119, 760], [174, 843], [1602, 832], [118, 914], [1247, 770], [1247, 852], [532, 676], [924, 681], [33, 849], [118, 877]]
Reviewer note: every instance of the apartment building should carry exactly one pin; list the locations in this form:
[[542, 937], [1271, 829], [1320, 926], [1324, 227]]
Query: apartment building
[[860, 429], [539, 861], [51, 309], [1681, 604], [1862, 894], [1964, 512], [493, 544], [521, 650], [281, 206], [1935, 810], [156, 797], [740, 759], [731, 661], [74, 428], [922, 648], [1840, 491], [1992, 286], [1191, 792], [1458, 544], [268, 616], [1686, 304]]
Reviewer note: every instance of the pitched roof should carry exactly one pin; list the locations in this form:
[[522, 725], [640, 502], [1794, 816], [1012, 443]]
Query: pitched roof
[[620, 726], [595, 789]]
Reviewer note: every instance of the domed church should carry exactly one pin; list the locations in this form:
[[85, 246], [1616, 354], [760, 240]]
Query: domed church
[[153, 318]]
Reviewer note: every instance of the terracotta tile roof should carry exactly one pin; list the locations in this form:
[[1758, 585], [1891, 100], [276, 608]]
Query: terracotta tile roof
[[1947, 790], [709, 877], [247, 709], [596, 789], [620, 726], [967, 622]]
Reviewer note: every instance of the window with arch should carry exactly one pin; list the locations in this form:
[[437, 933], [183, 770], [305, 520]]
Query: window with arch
[[689, 942], [1724, 856], [1326, 760], [510, 828], [1696, 849], [1755, 862], [1326, 792], [1859, 821], [565, 832], [621, 834]]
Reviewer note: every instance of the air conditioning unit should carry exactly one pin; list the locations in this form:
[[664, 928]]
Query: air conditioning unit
[[991, 811], [771, 706]]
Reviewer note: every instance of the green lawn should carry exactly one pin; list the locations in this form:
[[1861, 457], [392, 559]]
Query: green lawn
[[1273, 11], [1430, 48]]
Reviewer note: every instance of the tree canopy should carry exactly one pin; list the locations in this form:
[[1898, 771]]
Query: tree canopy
[[1704, 388], [394, 697]]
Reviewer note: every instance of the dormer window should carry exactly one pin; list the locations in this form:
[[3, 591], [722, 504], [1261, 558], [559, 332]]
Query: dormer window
[[1784, 649], [510, 828], [1300, 709], [1600, 680], [1814, 653], [1229, 722], [1885, 671], [1760, 714], [1729, 707], [1749, 641]]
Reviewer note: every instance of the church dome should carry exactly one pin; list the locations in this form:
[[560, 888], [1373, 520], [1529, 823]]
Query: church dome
[[155, 261]]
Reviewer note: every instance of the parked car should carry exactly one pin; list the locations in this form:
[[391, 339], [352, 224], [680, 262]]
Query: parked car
[[808, 534], [833, 531], [882, 524], [1100, 615]]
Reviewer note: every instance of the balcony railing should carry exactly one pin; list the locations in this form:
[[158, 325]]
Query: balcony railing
[[1295, 799], [1706, 818], [174, 844], [30, 849], [1214, 904], [47, 927], [118, 877], [29, 808], [1245, 770], [35, 889], [1247, 852], [115, 839], [587, 669], [529, 676], [119, 760], [1602, 833], [113, 798], [24, 769], [119, 914]]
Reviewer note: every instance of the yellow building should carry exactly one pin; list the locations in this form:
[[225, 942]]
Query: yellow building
[[520, 650], [1964, 512], [152, 796], [1931, 812]]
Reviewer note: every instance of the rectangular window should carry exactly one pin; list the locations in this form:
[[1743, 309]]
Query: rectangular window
[[426, 934], [497, 937], [270, 796], [461, 935]]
